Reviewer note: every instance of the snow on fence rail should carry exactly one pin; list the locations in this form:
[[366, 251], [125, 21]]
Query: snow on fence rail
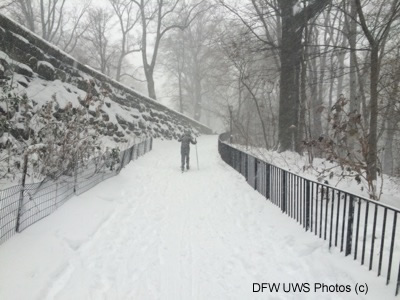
[[361, 227], [22, 206]]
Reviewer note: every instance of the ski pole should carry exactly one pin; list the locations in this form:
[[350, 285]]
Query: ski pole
[[197, 157]]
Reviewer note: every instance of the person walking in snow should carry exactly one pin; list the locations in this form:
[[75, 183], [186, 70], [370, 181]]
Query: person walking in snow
[[185, 141]]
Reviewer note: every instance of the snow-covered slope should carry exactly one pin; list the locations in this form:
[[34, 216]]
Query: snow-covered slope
[[330, 173], [41, 71], [47, 98], [155, 233]]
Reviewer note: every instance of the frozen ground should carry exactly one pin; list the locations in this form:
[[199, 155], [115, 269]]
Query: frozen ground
[[154, 233]]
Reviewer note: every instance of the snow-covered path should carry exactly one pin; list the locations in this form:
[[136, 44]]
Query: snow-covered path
[[154, 233]]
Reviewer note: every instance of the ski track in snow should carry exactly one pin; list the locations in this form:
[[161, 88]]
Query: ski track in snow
[[203, 234]]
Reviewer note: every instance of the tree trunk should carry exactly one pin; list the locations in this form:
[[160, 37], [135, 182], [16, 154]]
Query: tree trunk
[[197, 91], [289, 78], [151, 87], [340, 74], [303, 98], [121, 57], [330, 100], [316, 98], [388, 165], [291, 48], [373, 123], [352, 37], [197, 105], [362, 94], [318, 108], [119, 67], [180, 91]]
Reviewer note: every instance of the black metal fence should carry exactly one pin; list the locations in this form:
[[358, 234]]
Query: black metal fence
[[21, 206], [366, 229]]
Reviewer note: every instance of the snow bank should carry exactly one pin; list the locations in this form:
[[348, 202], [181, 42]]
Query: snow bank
[[324, 171], [155, 233]]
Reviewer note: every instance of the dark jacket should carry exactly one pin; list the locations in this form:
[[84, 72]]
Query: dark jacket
[[185, 143]]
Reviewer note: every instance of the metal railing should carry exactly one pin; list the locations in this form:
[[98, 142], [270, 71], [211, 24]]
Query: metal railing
[[22, 206], [366, 229]]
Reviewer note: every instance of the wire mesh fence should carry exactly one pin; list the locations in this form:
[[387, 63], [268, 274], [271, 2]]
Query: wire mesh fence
[[22, 206], [362, 228]]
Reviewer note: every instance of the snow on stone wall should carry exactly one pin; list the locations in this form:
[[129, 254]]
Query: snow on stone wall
[[42, 71]]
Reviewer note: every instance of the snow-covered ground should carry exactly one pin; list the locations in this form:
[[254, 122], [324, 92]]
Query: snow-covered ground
[[154, 233], [322, 170]]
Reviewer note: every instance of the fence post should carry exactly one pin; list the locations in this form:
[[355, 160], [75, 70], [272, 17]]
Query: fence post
[[55, 199], [131, 154], [268, 181], [228, 155], [246, 166], [135, 155], [21, 195], [103, 173], [240, 162], [307, 206], [235, 159], [398, 282], [255, 173], [350, 222], [232, 158], [284, 200], [75, 176]]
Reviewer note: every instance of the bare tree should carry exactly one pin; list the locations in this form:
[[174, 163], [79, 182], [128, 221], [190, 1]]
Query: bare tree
[[24, 13], [128, 17], [51, 16], [390, 91], [160, 17], [74, 27], [173, 59], [278, 25], [6, 3], [202, 59], [376, 35], [101, 51], [53, 20]]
